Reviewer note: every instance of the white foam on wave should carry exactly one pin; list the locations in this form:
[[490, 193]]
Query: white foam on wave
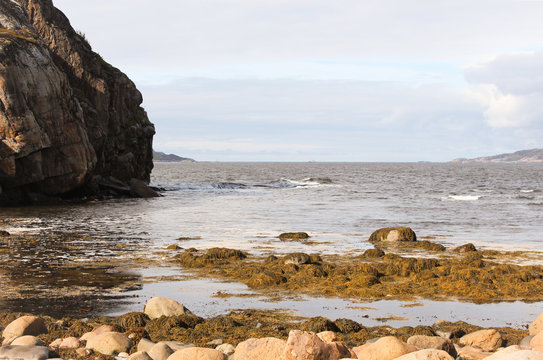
[[464, 197], [527, 190]]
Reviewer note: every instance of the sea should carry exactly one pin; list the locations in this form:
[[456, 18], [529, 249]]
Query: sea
[[246, 206]]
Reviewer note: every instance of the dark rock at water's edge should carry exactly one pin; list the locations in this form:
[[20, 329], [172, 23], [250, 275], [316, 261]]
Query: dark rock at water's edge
[[66, 115], [163, 157]]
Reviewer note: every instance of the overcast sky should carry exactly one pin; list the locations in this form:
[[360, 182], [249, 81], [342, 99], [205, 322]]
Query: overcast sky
[[342, 80]]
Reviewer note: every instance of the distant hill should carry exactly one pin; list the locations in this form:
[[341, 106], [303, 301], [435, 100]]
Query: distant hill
[[532, 155], [160, 156]]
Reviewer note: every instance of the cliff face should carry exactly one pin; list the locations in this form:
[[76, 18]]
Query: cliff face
[[65, 114]]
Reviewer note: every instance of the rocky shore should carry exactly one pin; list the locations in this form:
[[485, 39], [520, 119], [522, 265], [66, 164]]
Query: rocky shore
[[167, 330]]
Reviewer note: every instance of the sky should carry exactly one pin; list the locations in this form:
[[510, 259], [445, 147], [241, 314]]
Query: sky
[[315, 80]]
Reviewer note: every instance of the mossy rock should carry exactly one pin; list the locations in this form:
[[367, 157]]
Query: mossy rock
[[373, 253], [132, 320], [319, 324], [393, 234], [294, 236], [469, 247], [347, 326]]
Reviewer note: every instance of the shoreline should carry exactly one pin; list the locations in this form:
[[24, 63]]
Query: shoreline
[[177, 324]]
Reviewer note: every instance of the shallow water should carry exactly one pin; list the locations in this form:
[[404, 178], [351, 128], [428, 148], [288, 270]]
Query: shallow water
[[245, 206]]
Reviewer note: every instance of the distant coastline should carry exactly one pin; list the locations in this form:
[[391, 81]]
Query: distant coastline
[[163, 157], [525, 156]]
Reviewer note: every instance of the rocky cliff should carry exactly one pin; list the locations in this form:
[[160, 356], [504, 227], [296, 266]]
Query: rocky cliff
[[67, 118]]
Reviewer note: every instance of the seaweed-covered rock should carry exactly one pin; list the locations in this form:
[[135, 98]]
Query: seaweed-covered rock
[[347, 326], [319, 324], [373, 253], [393, 234], [297, 259], [294, 236], [469, 247], [133, 320]]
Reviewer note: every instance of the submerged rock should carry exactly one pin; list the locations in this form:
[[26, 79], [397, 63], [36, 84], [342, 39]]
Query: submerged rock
[[67, 115], [393, 234]]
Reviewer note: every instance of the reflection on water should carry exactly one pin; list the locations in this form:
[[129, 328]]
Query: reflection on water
[[55, 275]]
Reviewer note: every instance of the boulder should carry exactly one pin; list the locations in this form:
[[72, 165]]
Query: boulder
[[426, 354], [24, 352], [227, 349], [160, 351], [537, 342], [302, 345], [197, 353], [487, 340], [525, 342], [327, 336], [268, 348], [386, 348], [97, 331], [109, 343], [472, 353], [517, 353], [27, 340], [393, 234], [141, 189], [145, 345], [537, 325], [433, 342], [140, 355], [70, 343], [159, 306], [25, 325], [176, 345]]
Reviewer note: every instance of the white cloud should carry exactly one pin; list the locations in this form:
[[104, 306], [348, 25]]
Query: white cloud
[[510, 88]]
